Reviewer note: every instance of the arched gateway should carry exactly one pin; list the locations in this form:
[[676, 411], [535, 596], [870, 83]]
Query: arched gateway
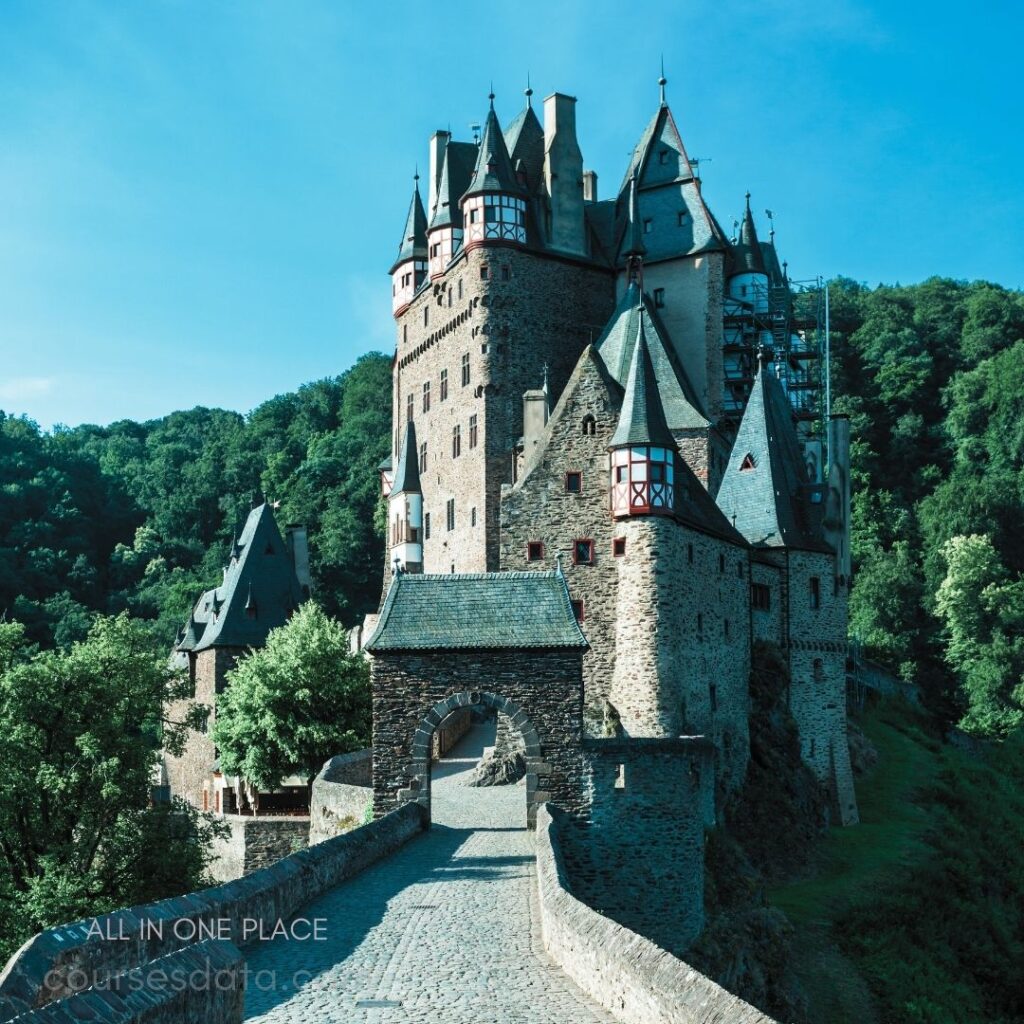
[[509, 641]]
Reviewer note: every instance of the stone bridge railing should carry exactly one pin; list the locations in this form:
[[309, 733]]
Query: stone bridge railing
[[118, 967], [630, 976]]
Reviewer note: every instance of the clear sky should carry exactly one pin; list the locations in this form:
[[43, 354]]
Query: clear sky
[[199, 201]]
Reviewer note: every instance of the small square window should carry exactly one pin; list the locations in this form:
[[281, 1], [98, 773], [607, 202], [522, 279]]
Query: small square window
[[662, 156], [577, 609], [574, 482], [659, 298], [583, 552], [485, 271], [648, 224], [619, 547], [535, 551], [682, 217]]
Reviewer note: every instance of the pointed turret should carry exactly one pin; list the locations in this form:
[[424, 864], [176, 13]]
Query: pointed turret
[[410, 267], [642, 450], [764, 490], [494, 204], [444, 234], [747, 255], [405, 507]]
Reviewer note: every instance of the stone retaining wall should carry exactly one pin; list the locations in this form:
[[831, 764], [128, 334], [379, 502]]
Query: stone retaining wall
[[342, 792], [627, 974], [256, 841], [48, 967]]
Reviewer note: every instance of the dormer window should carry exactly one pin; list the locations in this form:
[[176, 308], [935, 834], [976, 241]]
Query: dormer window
[[648, 225], [747, 463], [663, 156]]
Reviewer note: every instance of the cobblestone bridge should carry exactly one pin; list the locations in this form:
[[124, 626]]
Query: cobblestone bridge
[[445, 930]]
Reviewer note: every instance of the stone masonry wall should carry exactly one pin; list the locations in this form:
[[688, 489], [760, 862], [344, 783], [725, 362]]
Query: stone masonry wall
[[628, 974], [768, 624], [48, 966], [530, 310], [638, 856], [817, 662], [540, 689], [255, 842], [191, 773], [539, 508], [341, 795]]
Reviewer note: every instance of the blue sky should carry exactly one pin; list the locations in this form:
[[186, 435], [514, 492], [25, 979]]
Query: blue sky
[[199, 201]]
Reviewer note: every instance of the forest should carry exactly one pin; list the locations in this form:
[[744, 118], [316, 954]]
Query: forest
[[111, 532]]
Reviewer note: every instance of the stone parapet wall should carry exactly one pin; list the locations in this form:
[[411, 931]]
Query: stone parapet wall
[[626, 973], [255, 842], [342, 792], [200, 984], [48, 966]]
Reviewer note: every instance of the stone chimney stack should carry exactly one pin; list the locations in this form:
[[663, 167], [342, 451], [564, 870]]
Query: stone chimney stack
[[438, 144], [535, 417], [590, 186], [563, 174], [296, 537]]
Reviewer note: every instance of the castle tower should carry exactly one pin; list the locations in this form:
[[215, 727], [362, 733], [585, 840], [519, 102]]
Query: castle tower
[[748, 281], [642, 456], [410, 268], [405, 507]]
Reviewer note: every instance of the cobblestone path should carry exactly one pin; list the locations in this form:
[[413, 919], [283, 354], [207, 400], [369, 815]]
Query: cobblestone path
[[444, 931]]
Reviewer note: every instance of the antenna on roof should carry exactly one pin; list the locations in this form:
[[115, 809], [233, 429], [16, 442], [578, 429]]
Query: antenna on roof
[[475, 129], [771, 222]]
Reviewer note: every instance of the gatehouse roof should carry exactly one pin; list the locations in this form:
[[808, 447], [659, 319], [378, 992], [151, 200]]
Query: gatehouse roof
[[477, 610]]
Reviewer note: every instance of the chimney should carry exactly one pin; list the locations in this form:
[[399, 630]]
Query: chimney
[[590, 186], [837, 502], [563, 174], [438, 144], [296, 537], [535, 417]]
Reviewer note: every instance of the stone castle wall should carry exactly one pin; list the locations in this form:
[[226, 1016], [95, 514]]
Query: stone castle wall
[[529, 310], [342, 794], [255, 842]]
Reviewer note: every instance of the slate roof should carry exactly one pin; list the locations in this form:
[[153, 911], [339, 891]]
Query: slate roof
[[414, 239], [407, 472], [769, 502], [633, 243], [524, 138], [260, 578], [678, 398], [747, 257], [456, 170], [666, 186], [493, 170], [642, 418], [477, 611]]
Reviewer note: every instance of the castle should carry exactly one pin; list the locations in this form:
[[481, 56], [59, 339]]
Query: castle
[[605, 487]]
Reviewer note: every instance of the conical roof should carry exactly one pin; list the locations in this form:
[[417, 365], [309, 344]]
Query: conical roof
[[642, 418], [493, 171], [524, 139], [746, 253], [407, 473], [763, 489], [414, 239], [456, 170]]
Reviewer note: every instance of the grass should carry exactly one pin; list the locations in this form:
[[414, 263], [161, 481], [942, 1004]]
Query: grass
[[852, 860]]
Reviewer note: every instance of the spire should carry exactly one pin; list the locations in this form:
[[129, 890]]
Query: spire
[[407, 472], [528, 91], [414, 239], [662, 82], [493, 171], [747, 255], [634, 229], [642, 419]]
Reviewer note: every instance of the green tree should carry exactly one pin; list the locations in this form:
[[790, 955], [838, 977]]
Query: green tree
[[295, 702], [80, 735]]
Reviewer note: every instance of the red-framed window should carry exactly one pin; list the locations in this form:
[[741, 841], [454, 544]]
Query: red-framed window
[[577, 609], [534, 550], [574, 481], [619, 547], [583, 551]]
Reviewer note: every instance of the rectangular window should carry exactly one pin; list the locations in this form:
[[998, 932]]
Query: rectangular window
[[484, 271], [435, 249], [474, 215], [682, 218], [535, 551], [689, 553], [423, 456], [700, 622], [472, 516], [815, 592], [725, 628], [648, 224], [405, 332], [583, 551], [713, 694], [444, 385], [450, 514], [506, 273], [574, 481], [456, 441], [577, 609], [760, 597], [659, 298], [465, 369], [472, 431], [739, 569], [663, 156], [619, 547], [426, 315], [426, 396], [410, 404], [721, 563], [460, 287], [426, 526]]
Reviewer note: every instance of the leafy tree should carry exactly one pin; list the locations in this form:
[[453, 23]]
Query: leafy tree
[[295, 702], [80, 733]]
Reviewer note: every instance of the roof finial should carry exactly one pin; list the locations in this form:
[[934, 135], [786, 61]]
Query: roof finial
[[416, 176], [748, 200], [490, 95], [662, 81], [528, 91]]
